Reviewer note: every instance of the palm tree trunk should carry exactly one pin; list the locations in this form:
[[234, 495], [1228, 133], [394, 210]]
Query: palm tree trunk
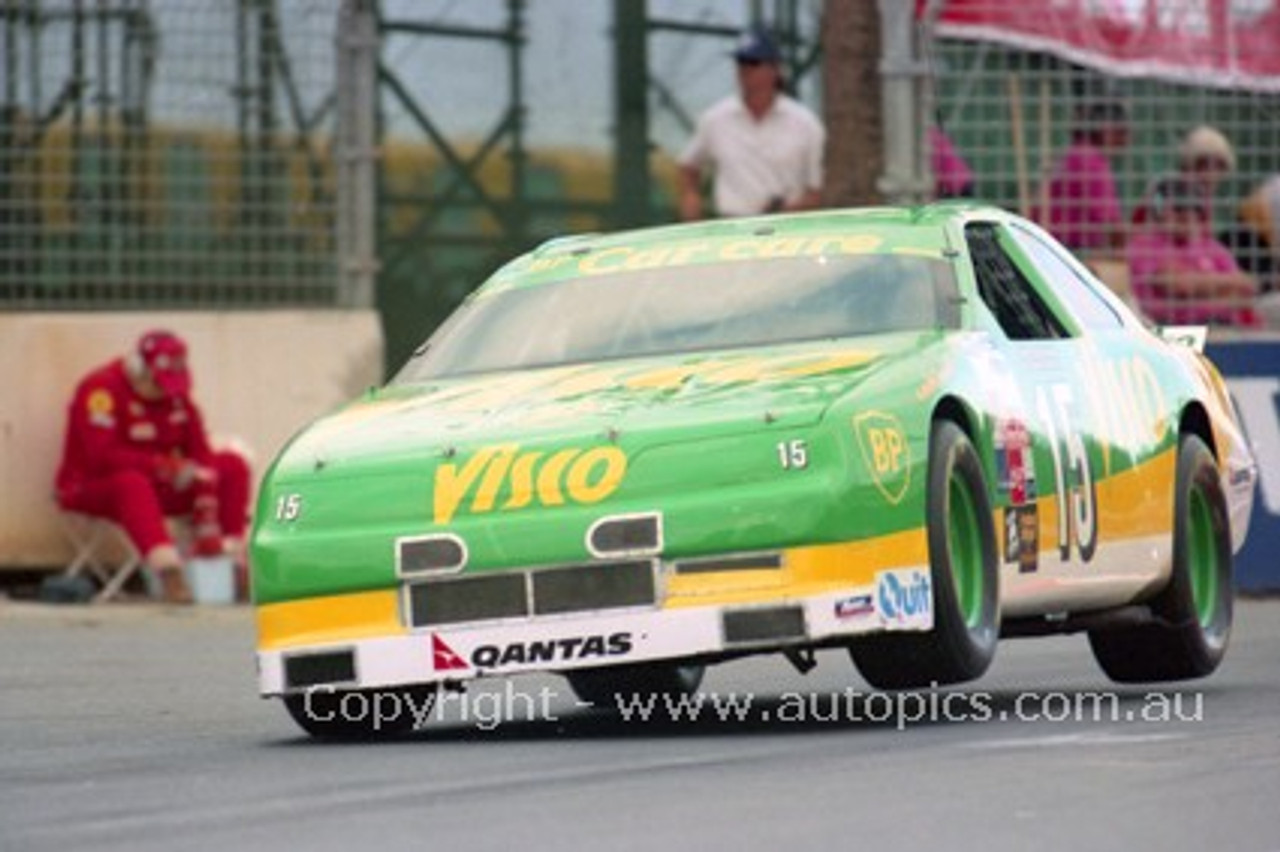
[[852, 102]]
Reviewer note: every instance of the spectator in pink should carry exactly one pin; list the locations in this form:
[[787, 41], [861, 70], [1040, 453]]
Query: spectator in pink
[[952, 177], [1181, 273], [1083, 205], [1205, 157]]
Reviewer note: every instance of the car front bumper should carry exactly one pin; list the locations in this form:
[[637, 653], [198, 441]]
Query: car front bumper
[[363, 641]]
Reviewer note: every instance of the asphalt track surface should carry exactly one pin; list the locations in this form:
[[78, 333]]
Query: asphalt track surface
[[138, 727]]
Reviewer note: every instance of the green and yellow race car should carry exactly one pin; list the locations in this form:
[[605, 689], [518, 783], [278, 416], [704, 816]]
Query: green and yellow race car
[[905, 432]]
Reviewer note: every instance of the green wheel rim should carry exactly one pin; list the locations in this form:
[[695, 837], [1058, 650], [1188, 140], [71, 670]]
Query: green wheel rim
[[964, 541], [1203, 556]]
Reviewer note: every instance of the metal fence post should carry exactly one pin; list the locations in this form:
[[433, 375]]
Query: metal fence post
[[631, 180], [905, 178], [356, 136]]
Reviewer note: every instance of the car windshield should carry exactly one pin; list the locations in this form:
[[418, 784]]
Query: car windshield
[[722, 305]]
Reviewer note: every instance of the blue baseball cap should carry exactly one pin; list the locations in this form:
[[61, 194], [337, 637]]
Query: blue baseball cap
[[756, 45]]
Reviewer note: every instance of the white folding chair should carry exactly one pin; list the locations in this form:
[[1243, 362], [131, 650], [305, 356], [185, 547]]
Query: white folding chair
[[102, 550]]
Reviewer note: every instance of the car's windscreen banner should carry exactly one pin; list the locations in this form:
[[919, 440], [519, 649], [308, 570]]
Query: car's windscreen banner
[[1253, 372]]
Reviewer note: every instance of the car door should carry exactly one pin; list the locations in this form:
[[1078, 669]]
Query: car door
[[1079, 522]]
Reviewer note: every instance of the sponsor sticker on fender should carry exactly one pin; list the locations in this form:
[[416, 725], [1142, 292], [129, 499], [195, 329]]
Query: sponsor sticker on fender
[[904, 598], [885, 452], [1015, 463], [1022, 537], [855, 606]]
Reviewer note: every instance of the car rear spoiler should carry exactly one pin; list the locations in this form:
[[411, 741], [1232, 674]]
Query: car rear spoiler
[[1192, 336]]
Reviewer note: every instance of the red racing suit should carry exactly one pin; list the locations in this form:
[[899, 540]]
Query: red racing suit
[[123, 458]]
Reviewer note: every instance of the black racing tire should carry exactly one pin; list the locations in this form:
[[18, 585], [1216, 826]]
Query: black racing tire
[[1192, 615], [964, 574], [360, 715], [606, 687]]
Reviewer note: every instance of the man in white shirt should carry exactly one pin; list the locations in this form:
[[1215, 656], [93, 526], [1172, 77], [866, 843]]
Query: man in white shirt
[[764, 148]]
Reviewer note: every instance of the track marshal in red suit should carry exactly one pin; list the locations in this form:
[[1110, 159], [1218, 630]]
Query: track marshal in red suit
[[136, 453]]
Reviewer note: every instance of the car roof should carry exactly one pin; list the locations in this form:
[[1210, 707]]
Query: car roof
[[922, 220]]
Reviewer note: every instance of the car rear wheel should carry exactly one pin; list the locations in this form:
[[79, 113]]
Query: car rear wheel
[[366, 714], [1192, 615], [964, 574], [608, 687]]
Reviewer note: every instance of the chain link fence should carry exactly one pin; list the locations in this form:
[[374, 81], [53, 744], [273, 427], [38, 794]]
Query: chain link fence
[[187, 154], [1020, 111], [168, 154]]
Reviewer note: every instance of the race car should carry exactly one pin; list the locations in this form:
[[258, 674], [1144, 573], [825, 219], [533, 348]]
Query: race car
[[906, 432]]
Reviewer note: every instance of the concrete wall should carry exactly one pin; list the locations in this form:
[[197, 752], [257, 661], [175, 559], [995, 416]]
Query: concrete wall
[[259, 376]]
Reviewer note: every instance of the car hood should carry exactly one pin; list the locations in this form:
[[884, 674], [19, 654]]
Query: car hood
[[639, 403]]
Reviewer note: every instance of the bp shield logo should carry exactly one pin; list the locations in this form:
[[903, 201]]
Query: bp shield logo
[[883, 443]]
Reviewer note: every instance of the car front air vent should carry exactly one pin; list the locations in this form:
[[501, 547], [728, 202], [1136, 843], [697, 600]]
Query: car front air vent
[[626, 535], [327, 668], [424, 554]]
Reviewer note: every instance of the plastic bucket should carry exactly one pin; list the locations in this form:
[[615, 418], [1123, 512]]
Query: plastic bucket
[[212, 579]]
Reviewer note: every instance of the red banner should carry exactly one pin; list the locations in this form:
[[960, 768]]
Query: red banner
[[1223, 43]]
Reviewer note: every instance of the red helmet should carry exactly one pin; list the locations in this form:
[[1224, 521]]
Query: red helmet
[[165, 356]]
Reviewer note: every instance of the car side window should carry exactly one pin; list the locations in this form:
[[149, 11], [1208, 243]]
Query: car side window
[[1080, 298], [1011, 298]]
